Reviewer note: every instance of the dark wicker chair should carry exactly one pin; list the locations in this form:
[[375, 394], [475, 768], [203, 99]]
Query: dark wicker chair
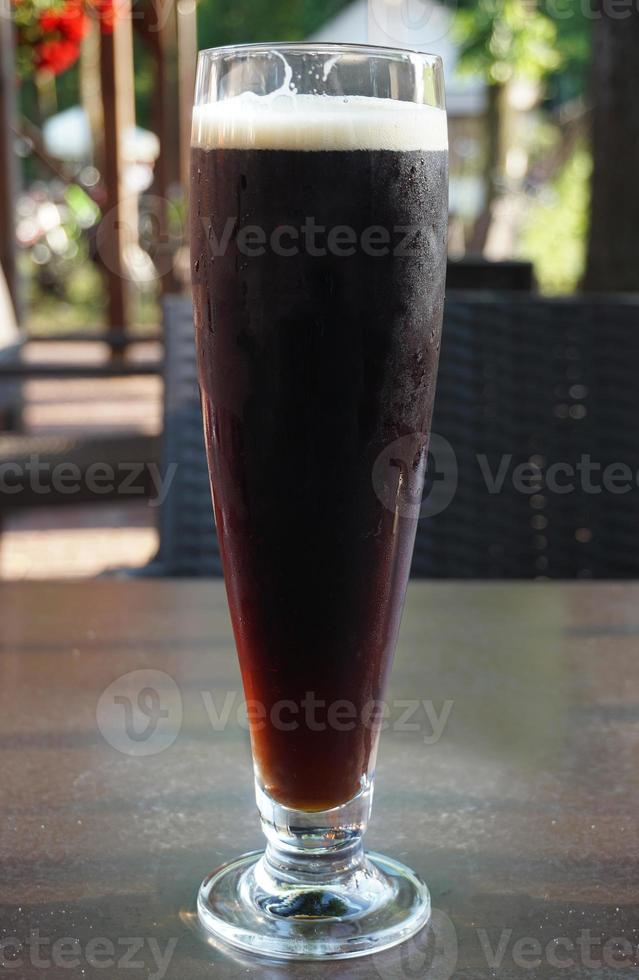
[[188, 544], [522, 379], [473, 272]]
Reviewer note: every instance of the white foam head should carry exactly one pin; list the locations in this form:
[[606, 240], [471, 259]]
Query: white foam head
[[318, 122]]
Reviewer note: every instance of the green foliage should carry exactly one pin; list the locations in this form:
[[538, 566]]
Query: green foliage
[[245, 21], [538, 39], [26, 19], [80, 308], [501, 39], [554, 234], [145, 82]]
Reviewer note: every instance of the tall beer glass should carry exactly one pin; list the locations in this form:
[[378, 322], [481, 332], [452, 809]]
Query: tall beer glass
[[318, 248]]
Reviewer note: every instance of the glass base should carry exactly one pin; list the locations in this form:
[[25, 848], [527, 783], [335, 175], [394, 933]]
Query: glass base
[[368, 903]]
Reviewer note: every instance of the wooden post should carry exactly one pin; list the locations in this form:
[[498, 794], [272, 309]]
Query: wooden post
[[118, 227], [90, 90], [187, 60], [8, 163], [163, 36], [174, 41]]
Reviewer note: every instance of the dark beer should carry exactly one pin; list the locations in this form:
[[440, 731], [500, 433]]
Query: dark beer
[[318, 281]]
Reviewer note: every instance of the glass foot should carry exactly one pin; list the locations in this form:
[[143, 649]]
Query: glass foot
[[364, 904]]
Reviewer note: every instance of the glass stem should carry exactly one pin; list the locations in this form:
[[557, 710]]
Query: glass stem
[[313, 848]]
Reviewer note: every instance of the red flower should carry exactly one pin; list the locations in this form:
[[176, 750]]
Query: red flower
[[73, 21], [56, 56], [69, 21], [49, 21]]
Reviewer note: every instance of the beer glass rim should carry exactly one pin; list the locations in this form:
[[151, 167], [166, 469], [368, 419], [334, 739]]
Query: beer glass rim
[[319, 47]]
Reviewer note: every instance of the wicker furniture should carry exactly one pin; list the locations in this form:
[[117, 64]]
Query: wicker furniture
[[550, 385]]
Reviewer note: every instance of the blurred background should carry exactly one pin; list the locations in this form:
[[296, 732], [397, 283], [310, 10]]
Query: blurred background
[[95, 101]]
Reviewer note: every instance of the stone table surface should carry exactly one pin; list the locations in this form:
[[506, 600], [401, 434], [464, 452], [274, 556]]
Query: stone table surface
[[507, 778]]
